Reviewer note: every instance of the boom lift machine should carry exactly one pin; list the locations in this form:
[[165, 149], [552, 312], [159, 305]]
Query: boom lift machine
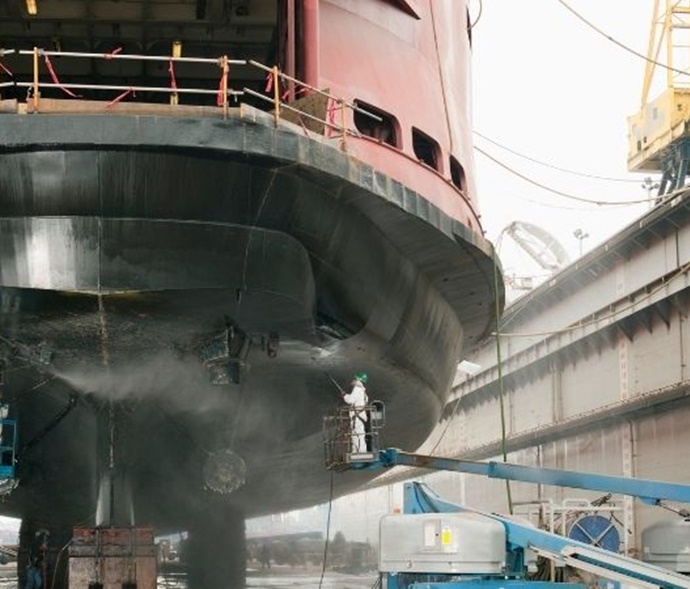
[[436, 544]]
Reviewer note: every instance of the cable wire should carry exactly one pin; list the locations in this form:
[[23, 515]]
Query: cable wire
[[479, 15], [57, 563], [663, 284], [25, 392], [661, 201], [449, 420], [497, 334], [501, 388], [621, 45], [441, 77], [501, 394], [561, 193], [328, 533], [580, 209], [552, 166]]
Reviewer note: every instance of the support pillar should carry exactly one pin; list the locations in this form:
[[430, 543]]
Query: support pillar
[[627, 427], [216, 550], [310, 42]]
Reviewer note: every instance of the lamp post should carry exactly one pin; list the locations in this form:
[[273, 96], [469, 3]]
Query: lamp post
[[649, 185], [580, 235]]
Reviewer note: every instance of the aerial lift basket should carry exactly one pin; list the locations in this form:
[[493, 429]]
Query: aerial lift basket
[[345, 447]]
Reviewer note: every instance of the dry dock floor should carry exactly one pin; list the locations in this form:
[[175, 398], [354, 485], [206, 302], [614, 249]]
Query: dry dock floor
[[307, 579], [276, 578]]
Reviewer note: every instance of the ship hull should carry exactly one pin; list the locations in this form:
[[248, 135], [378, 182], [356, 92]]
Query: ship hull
[[185, 286], [128, 243]]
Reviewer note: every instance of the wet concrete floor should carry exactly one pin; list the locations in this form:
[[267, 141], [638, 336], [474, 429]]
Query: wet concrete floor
[[310, 580], [289, 578], [276, 578]]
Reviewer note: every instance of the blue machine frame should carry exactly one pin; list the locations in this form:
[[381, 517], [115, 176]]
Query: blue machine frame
[[419, 499], [8, 444]]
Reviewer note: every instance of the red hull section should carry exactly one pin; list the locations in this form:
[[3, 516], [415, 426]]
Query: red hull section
[[417, 70]]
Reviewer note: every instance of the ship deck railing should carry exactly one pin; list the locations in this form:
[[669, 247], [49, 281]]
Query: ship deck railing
[[287, 98]]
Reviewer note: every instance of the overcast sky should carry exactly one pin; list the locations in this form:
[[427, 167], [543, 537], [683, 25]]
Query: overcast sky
[[553, 89]]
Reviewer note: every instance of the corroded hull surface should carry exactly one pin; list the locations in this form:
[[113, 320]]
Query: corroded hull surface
[[127, 243]]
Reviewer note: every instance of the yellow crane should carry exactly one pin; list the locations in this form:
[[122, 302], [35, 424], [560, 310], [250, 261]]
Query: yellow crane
[[659, 134]]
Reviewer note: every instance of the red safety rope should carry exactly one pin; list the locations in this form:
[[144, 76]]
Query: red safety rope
[[298, 91], [304, 127], [223, 82], [121, 96], [4, 69], [113, 53], [56, 81], [330, 115], [171, 70]]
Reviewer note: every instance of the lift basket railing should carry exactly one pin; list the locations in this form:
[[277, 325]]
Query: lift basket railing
[[346, 441]]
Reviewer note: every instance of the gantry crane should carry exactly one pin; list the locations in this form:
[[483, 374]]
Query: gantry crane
[[659, 135]]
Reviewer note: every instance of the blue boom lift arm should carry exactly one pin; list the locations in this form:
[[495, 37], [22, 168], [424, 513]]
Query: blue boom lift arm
[[522, 541], [649, 491]]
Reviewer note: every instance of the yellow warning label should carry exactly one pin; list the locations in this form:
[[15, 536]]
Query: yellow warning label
[[446, 537]]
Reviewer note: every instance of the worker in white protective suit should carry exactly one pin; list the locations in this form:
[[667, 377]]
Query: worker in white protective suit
[[357, 398]]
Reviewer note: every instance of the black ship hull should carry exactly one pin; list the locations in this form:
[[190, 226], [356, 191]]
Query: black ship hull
[[129, 244]]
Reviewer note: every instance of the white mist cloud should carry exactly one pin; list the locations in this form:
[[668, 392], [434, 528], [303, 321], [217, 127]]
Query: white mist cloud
[[180, 383]]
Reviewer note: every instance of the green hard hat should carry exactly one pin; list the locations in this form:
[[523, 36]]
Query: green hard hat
[[362, 377]]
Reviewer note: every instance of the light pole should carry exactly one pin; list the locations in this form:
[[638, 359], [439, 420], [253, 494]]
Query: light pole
[[581, 236], [649, 185]]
